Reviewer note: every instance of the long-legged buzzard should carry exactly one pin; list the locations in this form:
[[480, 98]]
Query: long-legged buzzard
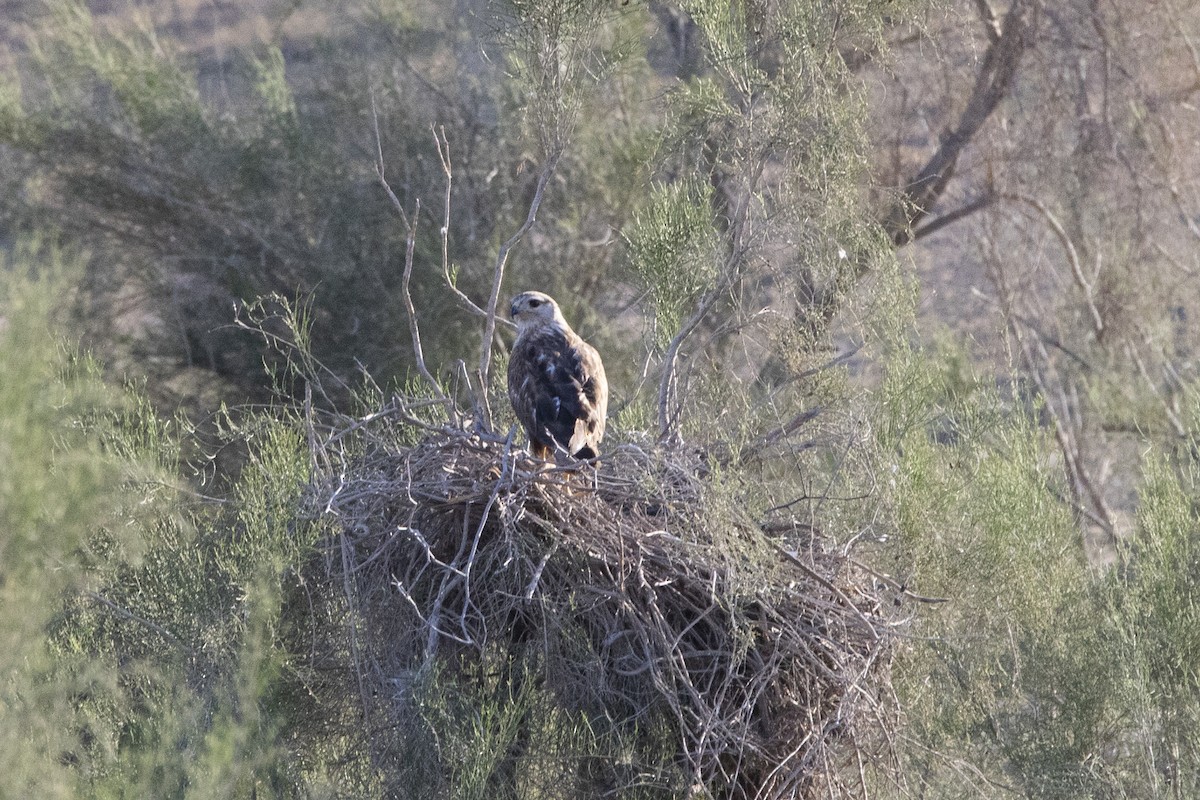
[[555, 381]]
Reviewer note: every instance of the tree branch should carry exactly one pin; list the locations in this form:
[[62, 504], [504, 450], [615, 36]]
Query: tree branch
[[414, 328], [991, 25], [1033, 354], [125, 613], [489, 329], [992, 85], [1072, 254], [729, 273], [443, 151], [949, 218]]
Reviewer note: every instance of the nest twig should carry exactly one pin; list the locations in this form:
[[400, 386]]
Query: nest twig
[[643, 596]]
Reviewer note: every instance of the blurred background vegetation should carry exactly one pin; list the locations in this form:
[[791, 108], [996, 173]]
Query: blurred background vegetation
[[921, 274]]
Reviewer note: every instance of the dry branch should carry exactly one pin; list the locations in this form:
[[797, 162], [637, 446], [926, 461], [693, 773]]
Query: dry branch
[[489, 333], [642, 598], [1072, 254], [992, 84]]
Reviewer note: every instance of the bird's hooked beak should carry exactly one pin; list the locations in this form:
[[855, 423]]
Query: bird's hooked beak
[[512, 309]]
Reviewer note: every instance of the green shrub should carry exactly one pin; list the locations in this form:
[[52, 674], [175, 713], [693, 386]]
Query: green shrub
[[57, 485], [1040, 675], [142, 624]]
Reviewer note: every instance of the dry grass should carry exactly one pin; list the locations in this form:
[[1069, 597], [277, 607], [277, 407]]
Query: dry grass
[[638, 588]]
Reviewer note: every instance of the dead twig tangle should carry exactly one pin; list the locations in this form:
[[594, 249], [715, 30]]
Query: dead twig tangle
[[641, 595]]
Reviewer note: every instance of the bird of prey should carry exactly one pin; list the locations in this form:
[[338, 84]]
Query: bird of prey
[[556, 381]]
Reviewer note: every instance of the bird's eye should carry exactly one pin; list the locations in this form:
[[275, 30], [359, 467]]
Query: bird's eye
[[534, 303]]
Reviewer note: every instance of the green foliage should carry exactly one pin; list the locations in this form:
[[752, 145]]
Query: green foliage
[[549, 45], [754, 229], [1040, 674], [673, 251], [56, 486], [1154, 600], [194, 204], [152, 95], [141, 627], [271, 84], [188, 629], [475, 734]]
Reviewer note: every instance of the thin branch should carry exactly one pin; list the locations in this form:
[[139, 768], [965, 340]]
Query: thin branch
[[414, 328], [381, 171], [992, 85], [489, 330], [783, 431], [1049, 339], [730, 271], [309, 365], [1073, 454], [835, 591], [1032, 353], [1072, 254], [1172, 417], [443, 151], [900, 586], [507, 463], [129, 615], [665, 381]]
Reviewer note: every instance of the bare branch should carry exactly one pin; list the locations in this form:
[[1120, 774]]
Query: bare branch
[[1072, 452], [1072, 254], [443, 151], [489, 331], [380, 169], [1172, 417], [992, 85], [798, 420], [783, 431], [1033, 356], [949, 218], [668, 371], [898, 585], [1029, 323], [991, 25], [414, 328]]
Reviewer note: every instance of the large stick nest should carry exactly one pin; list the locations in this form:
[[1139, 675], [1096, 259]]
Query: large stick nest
[[640, 588]]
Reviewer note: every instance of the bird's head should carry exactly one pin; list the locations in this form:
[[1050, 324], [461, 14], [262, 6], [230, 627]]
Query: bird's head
[[535, 309]]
